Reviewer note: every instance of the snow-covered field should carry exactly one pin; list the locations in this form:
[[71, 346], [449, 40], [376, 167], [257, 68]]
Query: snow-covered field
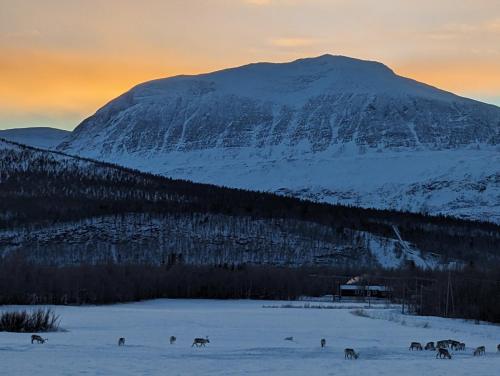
[[245, 339]]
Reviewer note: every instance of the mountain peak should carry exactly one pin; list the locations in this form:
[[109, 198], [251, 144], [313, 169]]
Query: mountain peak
[[342, 60], [292, 83]]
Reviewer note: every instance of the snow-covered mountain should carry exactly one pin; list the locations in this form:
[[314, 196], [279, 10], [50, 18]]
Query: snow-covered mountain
[[40, 137], [330, 128]]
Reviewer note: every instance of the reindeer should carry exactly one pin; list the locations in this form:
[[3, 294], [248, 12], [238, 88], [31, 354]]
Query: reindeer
[[172, 339], [323, 342], [416, 346], [442, 344], [481, 350], [350, 353], [288, 339], [454, 344], [121, 341], [430, 346], [200, 342], [461, 346], [38, 339], [443, 353]]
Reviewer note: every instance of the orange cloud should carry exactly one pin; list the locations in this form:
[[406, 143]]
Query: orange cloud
[[293, 42], [258, 2]]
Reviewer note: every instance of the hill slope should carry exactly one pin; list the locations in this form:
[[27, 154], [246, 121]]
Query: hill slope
[[331, 128], [41, 137], [62, 210]]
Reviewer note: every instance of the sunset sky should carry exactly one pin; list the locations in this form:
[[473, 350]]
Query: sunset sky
[[60, 60]]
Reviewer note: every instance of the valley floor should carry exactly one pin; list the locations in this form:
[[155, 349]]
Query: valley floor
[[246, 338]]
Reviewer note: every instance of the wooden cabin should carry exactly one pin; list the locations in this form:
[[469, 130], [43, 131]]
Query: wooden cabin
[[365, 291]]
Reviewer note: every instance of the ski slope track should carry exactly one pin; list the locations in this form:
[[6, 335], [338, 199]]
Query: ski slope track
[[330, 128]]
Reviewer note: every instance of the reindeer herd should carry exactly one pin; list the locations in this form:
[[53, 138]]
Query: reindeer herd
[[198, 342], [442, 347]]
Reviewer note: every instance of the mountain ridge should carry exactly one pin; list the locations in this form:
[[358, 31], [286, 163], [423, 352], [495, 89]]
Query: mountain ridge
[[43, 137]]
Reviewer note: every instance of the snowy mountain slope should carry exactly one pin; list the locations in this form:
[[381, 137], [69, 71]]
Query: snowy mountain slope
[[464, 182], [57, 209], [40, 137], [330, 128]]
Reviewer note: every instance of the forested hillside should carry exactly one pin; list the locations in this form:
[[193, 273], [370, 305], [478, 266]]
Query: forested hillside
[[78, 231], [57, 209]]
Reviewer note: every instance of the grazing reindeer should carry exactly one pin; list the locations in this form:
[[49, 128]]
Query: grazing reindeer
[[38, 339], [442, 344], [430, 346], [416, 346], [172, 339], [481, 350], [454, 344], [121, 341], [350, 353], [323, 342], [443, 353], [200, 342]]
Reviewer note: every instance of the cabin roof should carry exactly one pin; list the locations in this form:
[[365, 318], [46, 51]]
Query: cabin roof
[[363, 287]]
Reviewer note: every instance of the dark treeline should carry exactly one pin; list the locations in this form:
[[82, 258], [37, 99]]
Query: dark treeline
[[39, 188], [25, 283], [469, 293]]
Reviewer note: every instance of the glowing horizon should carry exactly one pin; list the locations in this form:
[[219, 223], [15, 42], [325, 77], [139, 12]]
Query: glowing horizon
[[62, 60]]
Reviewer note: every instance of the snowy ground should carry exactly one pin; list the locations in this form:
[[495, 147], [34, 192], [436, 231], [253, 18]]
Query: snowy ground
[[246, 339]]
